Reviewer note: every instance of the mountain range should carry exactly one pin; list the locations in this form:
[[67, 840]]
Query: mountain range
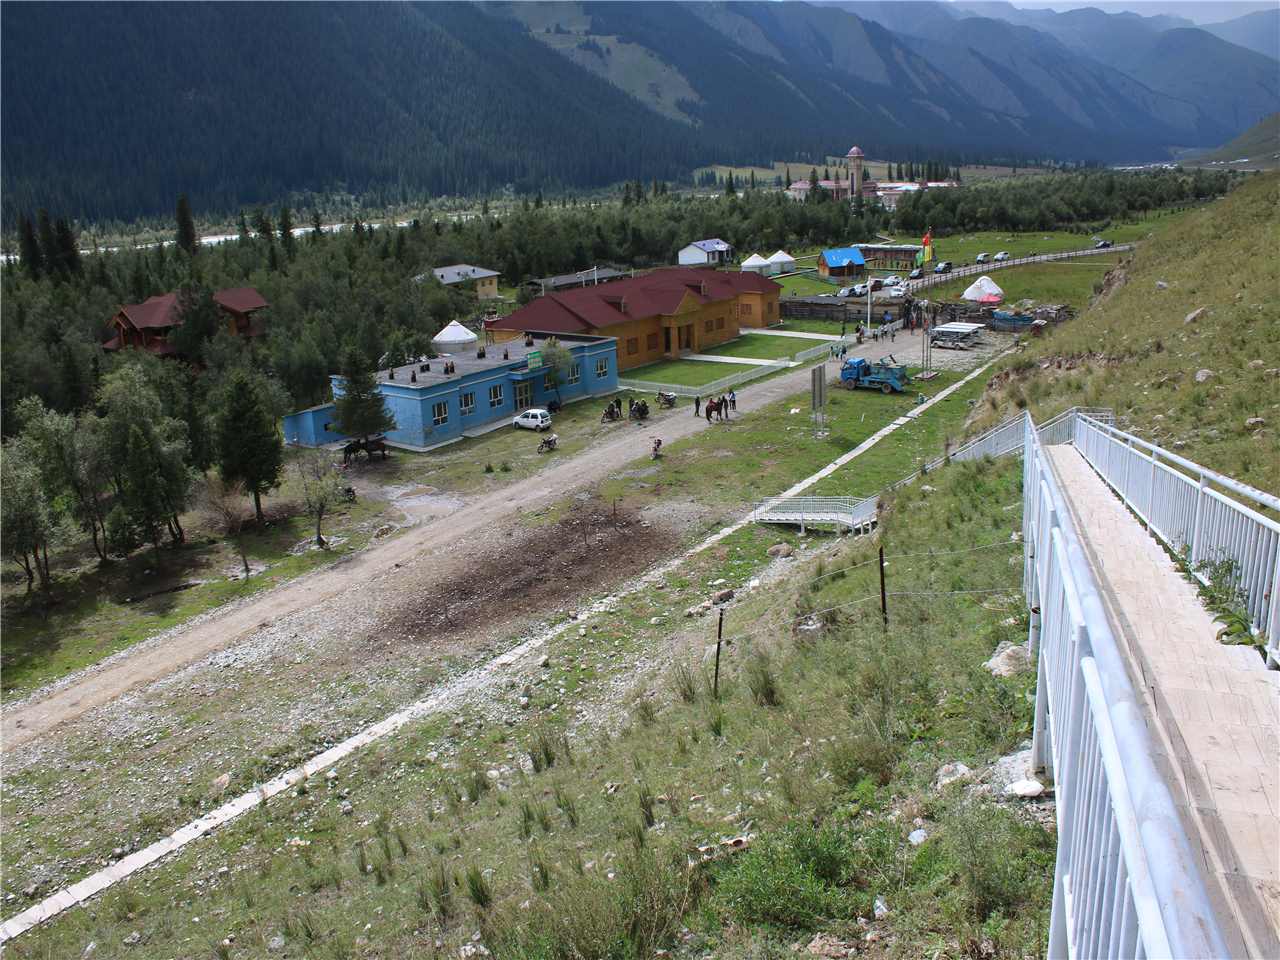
[[113, 109]]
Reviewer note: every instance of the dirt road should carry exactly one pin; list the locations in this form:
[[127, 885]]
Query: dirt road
[[35, 717]]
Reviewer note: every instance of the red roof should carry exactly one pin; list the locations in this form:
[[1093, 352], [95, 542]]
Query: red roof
[[240, 299], [655, 294], [161, 311]]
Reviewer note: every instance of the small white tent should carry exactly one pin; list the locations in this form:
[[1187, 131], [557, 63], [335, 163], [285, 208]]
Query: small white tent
[[984, 290], [755, 264], [453, 337], [782, 262]]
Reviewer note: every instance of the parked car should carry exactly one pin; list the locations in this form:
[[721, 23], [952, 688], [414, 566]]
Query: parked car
[[846, 292], [892, 281], [1102, 245], [1002, 255], [916, 274], [981, 258], [943, 267], [899, 291], [536, 419]]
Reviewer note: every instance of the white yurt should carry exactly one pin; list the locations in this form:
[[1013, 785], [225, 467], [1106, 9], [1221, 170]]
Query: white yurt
[[755, 264], [453, 338], [782, 262], [984, 290]]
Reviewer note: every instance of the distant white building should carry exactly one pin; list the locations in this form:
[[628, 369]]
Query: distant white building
[[781, 262], [756, 264], [703, 252]]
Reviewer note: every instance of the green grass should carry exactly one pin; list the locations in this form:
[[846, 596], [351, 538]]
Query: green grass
[[823, 744], [759, 347], [1134, 351], [686, 373], [961, 248], [1062, 281], [809, 325], [806, 286]]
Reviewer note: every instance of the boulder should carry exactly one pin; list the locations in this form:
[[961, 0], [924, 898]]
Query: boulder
[[917, 837], [1203, 374], [722, 596], [1253, 423], [780, 550], [1025, 789], [826, 945], [950, 773], [220, 784], [1161, 285], [1194, 315], [1009, 660]]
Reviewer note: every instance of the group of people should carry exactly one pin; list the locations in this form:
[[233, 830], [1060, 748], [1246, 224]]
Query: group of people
[[718, 407]]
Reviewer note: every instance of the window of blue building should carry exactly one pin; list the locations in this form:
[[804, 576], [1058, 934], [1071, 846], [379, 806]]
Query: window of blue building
[[440, 413], [495, 395], [575, 373], [468, 403], [602, 368]]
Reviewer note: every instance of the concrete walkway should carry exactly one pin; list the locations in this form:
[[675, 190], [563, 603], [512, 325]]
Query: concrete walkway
[[792, 333], [749, 361], [1213, 710]]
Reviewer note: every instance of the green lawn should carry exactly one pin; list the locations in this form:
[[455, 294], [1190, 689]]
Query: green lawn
[[1062, 281], [809, 325], [961, 248], [685, 373], [806, 286], [761, 347]]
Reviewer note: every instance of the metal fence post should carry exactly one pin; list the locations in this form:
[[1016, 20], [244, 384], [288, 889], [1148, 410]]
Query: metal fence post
[[1194, 554]]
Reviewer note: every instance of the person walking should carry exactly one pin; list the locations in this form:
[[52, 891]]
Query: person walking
[[733, 400], [710, 404], [697, 404]]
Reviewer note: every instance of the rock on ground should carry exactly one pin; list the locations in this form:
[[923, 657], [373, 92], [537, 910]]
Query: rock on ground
[[1009, 660]]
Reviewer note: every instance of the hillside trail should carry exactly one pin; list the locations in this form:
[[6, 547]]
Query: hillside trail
[[36, 716]]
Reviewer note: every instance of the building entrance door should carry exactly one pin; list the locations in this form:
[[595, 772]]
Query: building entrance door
[[666, 340], [524, 395]]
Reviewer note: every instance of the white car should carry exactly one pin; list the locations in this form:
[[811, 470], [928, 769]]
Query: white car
[[892, 281], [981, 258], [533, 420], [899, 291], [1002, 255]]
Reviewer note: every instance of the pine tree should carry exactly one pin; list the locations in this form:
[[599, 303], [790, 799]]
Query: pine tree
[[68, 248], [287, 239], [187, 238], [249, 448], [729, 189], [29, 247], [244, 229], [360, 410], [317, 228], [48, 242], [788, 175], [752, 185]]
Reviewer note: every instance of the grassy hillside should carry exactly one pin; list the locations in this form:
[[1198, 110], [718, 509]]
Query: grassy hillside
[[1259, 145], [1202, 294]]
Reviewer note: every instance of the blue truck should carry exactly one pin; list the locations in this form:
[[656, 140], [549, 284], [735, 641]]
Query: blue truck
[[885, 377]]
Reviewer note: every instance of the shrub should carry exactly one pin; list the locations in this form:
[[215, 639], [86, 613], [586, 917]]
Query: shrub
[[684, 683], [763, 682], [715, 722], [864, 754], [996, 858], [488, 468], [646, 712], [542, 752], [644, 800], [568, 806], [478, 888], [772, 883]]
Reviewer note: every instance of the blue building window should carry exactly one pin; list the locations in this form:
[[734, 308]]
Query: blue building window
[[495, 395], [468, 404], [602, 368], [440, 413], [575, 373]]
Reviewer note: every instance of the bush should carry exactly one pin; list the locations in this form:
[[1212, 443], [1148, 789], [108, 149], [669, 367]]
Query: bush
[[762, 682], [1001, 862], [774, 883], [866, 754], [478, 888], [684, 682]]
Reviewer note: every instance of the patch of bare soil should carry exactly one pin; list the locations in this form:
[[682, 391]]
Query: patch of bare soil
[[537, 569]]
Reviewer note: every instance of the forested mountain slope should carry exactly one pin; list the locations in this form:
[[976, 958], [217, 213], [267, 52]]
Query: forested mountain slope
[[115, 109]]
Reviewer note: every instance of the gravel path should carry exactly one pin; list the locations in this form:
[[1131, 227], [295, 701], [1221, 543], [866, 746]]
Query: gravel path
[[43, 711]]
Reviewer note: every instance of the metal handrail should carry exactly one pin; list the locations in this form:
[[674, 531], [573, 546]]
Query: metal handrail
[[1126, 881], [925, 283], [1176, 499]]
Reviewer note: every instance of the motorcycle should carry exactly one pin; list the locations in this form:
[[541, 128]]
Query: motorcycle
[[349, 494], [611, 413], [548, 443], [639, 410], [666, 399]]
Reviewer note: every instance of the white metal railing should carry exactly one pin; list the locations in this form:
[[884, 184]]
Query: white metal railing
[[1199, 514], [810, 353], [1126, 883], [852, 512]]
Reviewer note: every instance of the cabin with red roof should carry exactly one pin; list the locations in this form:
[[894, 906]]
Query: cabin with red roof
[[656, 316], [147, 325]]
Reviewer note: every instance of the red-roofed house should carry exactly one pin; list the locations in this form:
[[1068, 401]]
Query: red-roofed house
[[659, 315], [147, 325]]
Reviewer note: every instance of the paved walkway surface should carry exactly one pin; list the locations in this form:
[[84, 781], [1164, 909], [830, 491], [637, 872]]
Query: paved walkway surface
[[1213, 710], [799, 335], [749, 361]]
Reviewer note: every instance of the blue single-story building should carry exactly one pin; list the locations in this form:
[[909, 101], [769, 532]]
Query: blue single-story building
[[486, 384]]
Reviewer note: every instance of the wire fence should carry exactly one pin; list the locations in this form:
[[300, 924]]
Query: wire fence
[[977, 269]]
